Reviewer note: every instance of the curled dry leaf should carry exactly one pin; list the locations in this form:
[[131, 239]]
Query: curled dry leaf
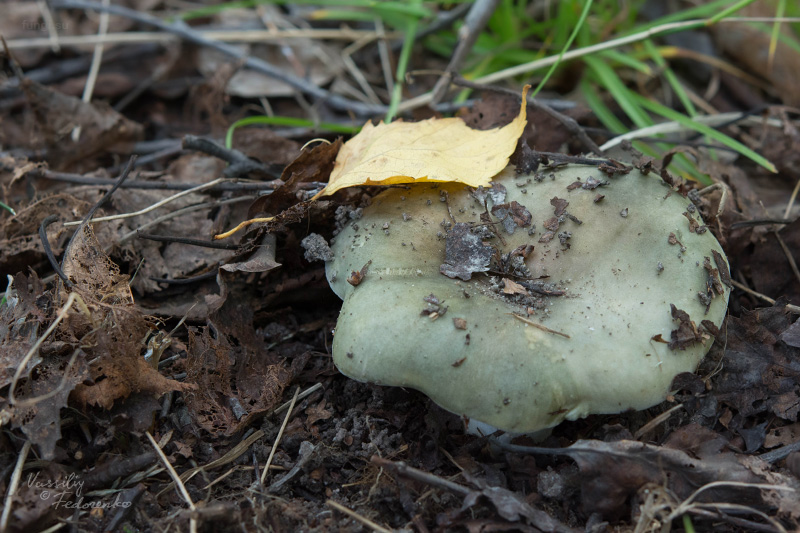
[[439, 150]]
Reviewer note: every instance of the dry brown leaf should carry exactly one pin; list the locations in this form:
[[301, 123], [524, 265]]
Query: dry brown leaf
[[439, 150]]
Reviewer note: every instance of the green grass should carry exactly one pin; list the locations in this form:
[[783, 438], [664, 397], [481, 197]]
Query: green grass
[[610, 78], [263, 120]]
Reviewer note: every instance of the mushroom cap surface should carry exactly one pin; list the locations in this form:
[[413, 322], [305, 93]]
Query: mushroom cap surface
[[613, 279]]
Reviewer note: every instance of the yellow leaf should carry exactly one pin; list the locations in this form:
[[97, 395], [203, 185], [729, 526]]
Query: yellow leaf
[[440, 150]]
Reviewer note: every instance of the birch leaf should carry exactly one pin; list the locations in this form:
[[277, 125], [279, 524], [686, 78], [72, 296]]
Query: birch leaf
[[433, 150]]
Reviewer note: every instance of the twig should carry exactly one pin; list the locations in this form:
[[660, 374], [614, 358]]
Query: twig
[[539, 326], [94, 68], [173, 214], [185, 281], [185, 32], [651, 425], [410, 472], [780, 453], [789, 256], [354, 515], [229, 36], [302, 396], [240, 164], [153, 206], [106, 197], [474, 22], [305, 454], [48, 251], [50, 25], [226, 185], [13, 485], [760, 222], [176, 478], [789, 307], [184, 240], [280, 434], [714, 121]]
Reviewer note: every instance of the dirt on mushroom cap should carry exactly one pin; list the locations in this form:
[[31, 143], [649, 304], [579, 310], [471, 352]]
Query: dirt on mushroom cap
[[607, 284]]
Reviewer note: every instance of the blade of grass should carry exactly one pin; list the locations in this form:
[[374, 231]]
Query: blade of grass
[[413, 9], [8, 208], [776, 30], [729, 11], [627, 60], [571, 38], [600, 109], [711, 133], [402, 66], [623, 96], [287, 121], [671, 78]]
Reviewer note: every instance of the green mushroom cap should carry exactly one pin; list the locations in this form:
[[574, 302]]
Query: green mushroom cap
[[546, 297]]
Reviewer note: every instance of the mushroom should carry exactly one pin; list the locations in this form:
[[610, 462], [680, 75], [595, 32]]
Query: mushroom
[[543, 298]]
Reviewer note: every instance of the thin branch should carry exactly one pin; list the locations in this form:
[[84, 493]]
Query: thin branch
[[186, 33], [227, 185], [185, 240], [474, 22], [48, 251], [153, 206], [240, 164], [789, 307]]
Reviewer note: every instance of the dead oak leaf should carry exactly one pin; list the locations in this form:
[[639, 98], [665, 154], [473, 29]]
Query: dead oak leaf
[[433, 150]]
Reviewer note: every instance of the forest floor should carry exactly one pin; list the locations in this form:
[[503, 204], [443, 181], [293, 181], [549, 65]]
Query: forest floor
[[157, 352]]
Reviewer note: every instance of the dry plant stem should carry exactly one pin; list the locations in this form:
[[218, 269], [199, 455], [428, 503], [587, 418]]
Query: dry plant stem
[[789, 256], [302, 396], [48, 251], [780, 453], [760, 222], [475, 21], [106, 197], [186, 33], [50, 24], [228, 185], [229, 457], [688, 502], [790, 204], [524, 68], [789, 307], [402, 469], [651, 425], [355, 516], [174, 214], [240, 164], [184, 240], [539, 326], [94, 68], [280, 434], [228, 36], [12, 398], [13, 485], [176, 478], [714, 121], [154, 206]]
